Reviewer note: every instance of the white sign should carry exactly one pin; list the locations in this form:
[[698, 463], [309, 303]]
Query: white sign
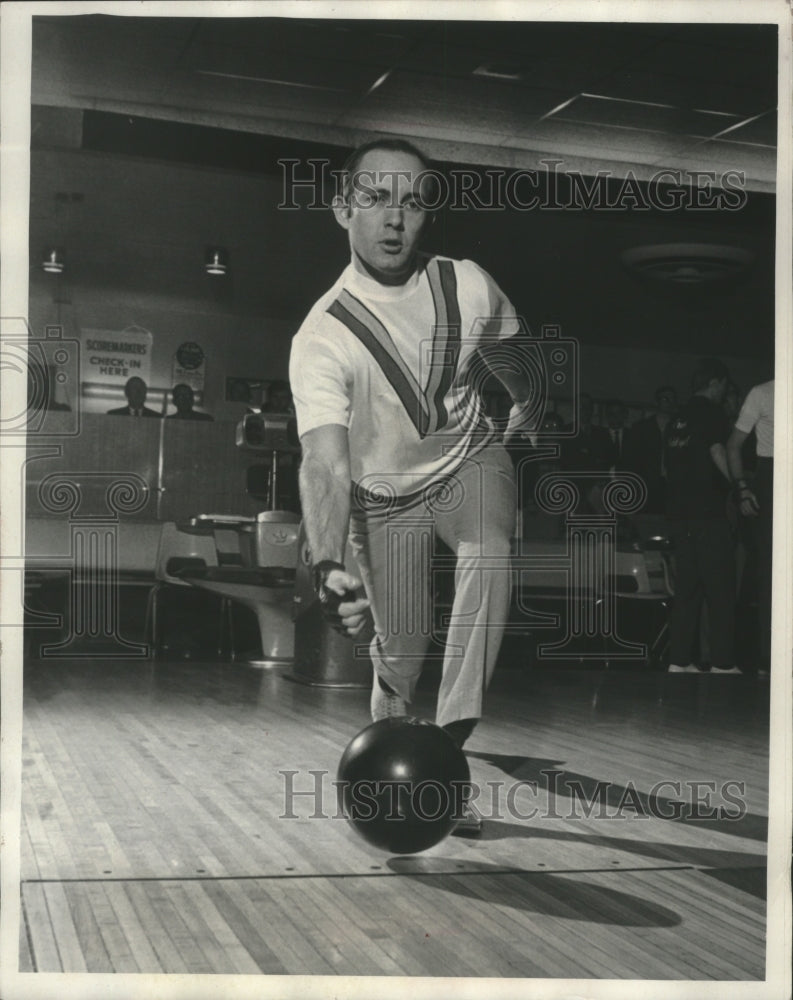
[[110, 357]]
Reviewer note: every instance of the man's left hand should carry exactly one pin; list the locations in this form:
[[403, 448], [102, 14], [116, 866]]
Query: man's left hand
[[517, 428]]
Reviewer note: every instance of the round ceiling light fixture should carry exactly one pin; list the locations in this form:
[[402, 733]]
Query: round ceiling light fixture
[[687, 263]]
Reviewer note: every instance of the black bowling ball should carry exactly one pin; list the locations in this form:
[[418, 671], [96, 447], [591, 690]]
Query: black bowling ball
[[402, 783]]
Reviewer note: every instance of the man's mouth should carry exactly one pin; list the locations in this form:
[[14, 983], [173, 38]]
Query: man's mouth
[[391, 246]]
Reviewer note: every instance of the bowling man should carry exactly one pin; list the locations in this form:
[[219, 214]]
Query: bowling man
[[397, 449]]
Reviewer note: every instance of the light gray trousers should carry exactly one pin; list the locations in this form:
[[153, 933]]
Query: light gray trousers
[[475, 516]]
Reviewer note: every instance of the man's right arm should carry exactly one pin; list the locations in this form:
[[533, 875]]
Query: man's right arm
[[325, 497], [325, 491]]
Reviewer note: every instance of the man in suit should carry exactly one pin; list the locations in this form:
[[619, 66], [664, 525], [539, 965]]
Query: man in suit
[[183, 399], [616, 415], [135, 390]]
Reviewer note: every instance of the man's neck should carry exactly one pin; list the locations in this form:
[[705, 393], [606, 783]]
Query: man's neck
[[390, 280]]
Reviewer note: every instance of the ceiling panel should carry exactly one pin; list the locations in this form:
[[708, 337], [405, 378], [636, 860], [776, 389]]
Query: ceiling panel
[[302, 68], [597, 110], [754, 161], [667, 87], [256, 99], [749, 67], [621, 144], [762, 131]]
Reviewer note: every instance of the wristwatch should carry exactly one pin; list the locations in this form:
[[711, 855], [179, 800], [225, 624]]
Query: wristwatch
[[320, 571]]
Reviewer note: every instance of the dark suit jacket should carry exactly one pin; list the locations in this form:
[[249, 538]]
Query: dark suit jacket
[[590, 450], [125, 411], [642, 453], [192, 415]]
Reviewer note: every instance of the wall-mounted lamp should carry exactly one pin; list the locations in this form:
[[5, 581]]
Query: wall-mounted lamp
[[216, 260], [53, 260]]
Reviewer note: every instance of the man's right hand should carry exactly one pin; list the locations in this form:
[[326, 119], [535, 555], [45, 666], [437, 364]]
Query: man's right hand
[[747, 502], [341, 608]]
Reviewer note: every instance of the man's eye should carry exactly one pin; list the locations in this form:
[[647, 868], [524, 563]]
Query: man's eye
[[413, 206]]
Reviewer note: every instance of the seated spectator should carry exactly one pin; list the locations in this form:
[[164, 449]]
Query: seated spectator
[[135, 390], [279, 398], [183, 399]]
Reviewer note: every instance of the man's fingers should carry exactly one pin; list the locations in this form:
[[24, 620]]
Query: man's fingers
[[341, 582]]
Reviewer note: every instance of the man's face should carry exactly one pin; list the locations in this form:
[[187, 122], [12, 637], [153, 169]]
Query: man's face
[[183, 399], [718, 389], [136, 393], [667, 401], [281, 401], [615, 417], [383, 216]]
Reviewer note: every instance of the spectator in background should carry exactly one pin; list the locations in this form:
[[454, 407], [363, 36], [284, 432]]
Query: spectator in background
[[698, 482], [643, 452], [590, 451], [533, 455], [183, 399], [135, 390], [756, 499], [279, 398], [616, 413]]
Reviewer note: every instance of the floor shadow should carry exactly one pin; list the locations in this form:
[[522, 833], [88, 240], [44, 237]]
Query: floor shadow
[[673, 854], [544, 894], [572, 795], [751, 880]]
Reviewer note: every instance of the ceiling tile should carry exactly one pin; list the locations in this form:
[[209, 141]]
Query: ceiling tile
[[680, 90], [762, 131], [623, 144], [754, 161], [596, 110]]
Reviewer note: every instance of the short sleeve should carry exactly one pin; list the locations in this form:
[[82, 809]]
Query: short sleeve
[[750, 412], [319, 379], [499, 321]]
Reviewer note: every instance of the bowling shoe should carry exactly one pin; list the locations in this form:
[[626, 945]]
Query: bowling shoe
[[470, 824]]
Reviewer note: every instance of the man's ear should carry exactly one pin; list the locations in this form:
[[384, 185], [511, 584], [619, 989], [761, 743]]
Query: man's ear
[[342, 211]]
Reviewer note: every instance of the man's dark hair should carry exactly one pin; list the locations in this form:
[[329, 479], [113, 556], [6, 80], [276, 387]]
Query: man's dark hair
[[708, 369], [353, 161]]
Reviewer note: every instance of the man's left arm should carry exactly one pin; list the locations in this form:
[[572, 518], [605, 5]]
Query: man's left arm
[[519, 391]]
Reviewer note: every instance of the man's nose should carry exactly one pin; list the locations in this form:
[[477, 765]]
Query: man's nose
[[395, 216]]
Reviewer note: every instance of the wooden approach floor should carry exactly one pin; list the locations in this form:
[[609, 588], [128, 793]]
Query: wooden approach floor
[[156, 834]]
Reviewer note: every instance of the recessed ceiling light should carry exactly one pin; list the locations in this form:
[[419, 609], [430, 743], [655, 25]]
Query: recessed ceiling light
[[379, 82], [266, 79], [504, 72]]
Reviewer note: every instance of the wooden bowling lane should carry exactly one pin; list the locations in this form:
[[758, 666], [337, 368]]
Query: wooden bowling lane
[[158, 834]]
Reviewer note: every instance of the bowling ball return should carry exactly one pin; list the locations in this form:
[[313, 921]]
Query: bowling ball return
[[402, 784]]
